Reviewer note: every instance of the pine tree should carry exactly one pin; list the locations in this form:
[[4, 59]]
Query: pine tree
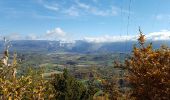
[[68, 88]]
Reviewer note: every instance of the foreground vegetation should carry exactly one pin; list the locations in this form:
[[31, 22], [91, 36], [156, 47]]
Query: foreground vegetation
[[149, 72], [143, 76]]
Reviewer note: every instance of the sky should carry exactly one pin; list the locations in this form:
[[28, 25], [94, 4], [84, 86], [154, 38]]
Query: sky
[[91, 20]]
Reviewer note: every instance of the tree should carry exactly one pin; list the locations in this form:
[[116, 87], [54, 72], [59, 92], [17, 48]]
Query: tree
[[29, 86], [149, 72], [68, 88]]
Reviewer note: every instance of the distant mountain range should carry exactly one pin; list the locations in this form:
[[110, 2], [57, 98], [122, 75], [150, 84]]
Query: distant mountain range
[[79, 46]]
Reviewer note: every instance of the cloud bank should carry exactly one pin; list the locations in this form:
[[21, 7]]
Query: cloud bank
[[60, 34], [53, 34], [154, 36]]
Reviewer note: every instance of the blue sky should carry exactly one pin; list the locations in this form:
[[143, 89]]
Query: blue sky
[[83, 19]]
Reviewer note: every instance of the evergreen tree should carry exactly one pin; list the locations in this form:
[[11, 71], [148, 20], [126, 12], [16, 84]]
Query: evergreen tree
[[68, 88]]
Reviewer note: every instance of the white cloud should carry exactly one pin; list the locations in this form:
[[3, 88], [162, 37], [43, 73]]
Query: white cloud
[[82, 5], [161, 35], [59, 34], [56, 33], [52, 7], [99, 12], [108, 38], [72, 11], [154, 36], [112, 11], [78, 8]]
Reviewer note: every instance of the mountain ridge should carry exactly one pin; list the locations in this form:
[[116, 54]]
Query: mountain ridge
[[79, 46]]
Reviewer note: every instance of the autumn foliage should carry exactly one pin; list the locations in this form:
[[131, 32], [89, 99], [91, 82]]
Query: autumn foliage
[[149, 72], [31, 86]]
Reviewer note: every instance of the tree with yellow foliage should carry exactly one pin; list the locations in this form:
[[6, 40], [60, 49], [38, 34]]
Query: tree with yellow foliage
[[32, 86], [149, 72]]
